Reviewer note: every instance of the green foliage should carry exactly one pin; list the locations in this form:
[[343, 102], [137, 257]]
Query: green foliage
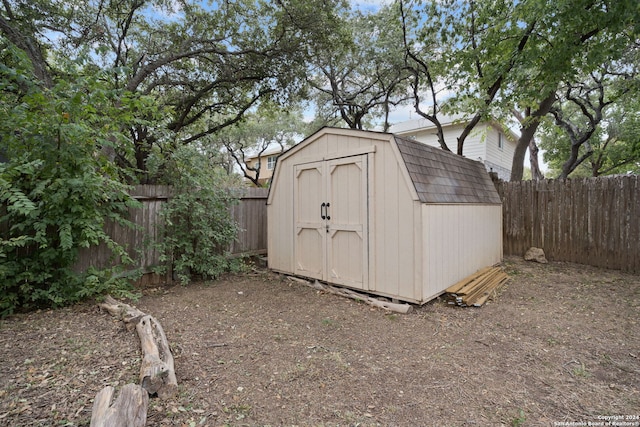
[[359, 74], [519, 420], [612, 148], [259, 133], [498, 57], [56, 191], [199, 228]]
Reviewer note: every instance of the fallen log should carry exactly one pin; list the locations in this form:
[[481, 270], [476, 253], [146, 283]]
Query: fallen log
[[128, 410], [157, 370]]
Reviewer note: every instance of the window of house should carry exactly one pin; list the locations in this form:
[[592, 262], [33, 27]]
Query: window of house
[[271, 162], [500, 140]]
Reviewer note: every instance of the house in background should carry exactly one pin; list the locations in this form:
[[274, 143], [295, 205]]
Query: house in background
[[267, 164], [488, 142]]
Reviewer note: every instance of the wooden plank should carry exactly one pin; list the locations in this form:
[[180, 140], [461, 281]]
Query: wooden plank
[[477, 288], [479, 283], [487, 284], [459, 285], [483, 298]]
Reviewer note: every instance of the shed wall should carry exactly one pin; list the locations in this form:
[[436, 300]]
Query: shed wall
[[280, 221], [394, 229], [457, 241]]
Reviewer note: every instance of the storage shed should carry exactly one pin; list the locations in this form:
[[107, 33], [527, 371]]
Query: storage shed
[[382, 214]]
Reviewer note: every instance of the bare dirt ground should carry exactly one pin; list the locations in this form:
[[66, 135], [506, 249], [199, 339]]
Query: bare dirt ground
[[561, 343]]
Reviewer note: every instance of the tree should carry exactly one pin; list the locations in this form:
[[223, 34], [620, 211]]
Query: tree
[[360, 76], [261, 131], [198, 225], [56, 189], [505, 55], [593, 135], [591, 113], [424, 63], [617, 150], [23, 24], [201, 67]]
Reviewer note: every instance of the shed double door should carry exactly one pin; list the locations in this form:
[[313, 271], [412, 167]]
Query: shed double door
[[331, 221]]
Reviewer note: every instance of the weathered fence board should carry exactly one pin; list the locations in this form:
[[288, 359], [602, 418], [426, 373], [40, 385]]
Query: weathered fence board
[[137, 241], [593, 221], [250, 214]]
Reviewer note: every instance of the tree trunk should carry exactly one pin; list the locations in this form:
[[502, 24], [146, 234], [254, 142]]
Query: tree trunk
[[129, 409], [536, 173], [466, 131], [574, 161], [29, 45], [527, 132]]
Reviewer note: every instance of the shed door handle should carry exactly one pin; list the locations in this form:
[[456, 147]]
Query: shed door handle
[[323, 211], [326, 211]]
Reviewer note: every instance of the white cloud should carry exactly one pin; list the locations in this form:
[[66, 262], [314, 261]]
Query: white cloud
[[171, 11], [369, 5]]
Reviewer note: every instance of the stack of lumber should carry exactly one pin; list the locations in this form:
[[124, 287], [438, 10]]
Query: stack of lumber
[[476, 289]]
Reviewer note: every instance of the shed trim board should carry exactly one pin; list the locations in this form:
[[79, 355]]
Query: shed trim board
[[381, 214]]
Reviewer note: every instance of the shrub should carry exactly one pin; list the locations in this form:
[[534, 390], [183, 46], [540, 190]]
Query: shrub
[[56, 192], [198, 226]]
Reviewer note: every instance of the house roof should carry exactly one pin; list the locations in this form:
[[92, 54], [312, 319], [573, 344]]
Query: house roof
[[422, 123], [266, 153], [443, 177]]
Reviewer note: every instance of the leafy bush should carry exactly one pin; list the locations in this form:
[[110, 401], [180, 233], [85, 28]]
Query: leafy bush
[[198, 226], [56, 191]]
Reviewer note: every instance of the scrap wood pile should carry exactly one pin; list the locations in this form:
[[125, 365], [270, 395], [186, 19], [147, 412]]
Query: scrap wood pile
[[476, 289]]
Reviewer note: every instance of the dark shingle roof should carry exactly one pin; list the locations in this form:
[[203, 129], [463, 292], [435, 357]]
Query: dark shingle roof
[[443, 177]]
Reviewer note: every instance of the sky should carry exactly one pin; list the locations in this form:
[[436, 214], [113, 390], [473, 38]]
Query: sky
[[368, 5]]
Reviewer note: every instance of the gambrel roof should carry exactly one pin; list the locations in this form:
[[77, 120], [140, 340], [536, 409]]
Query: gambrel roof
[[437, 176], [443, 177]]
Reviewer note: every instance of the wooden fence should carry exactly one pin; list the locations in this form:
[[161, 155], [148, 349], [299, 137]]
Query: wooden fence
[[250, 213], [594, 221], [138, 242]]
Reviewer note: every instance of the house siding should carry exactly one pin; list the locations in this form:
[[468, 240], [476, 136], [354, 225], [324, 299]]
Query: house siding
[[499, 160], [481, 144], [265, 173]]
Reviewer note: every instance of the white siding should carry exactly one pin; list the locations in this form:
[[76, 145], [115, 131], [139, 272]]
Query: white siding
[[458, 241], [500, 159], [474, 146], [481, 144]]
